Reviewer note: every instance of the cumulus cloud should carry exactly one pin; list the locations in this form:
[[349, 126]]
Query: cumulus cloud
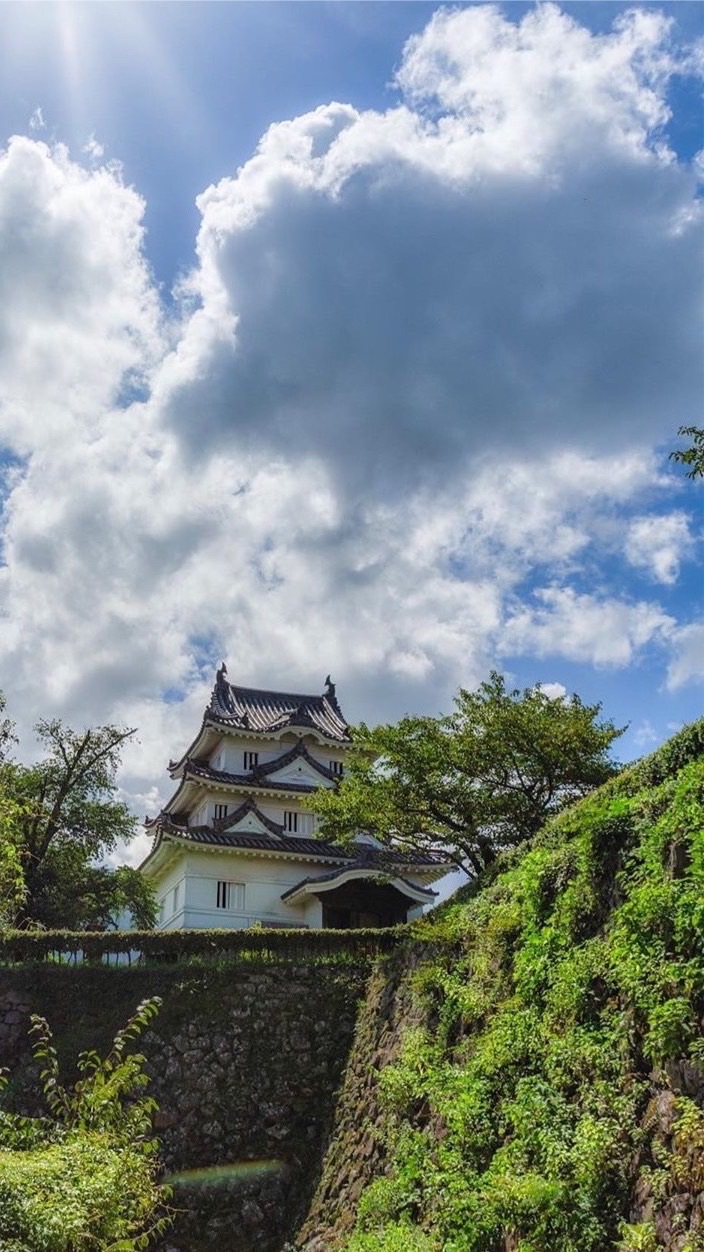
[[686, 663], [418, 368], [658, 543], [554, 691], [79, 316], [506, 256], [559, 621], [93, 148]]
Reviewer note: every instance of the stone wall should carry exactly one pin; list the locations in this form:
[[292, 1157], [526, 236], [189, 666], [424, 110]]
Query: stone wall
[[245, 1061], [355, 1155]]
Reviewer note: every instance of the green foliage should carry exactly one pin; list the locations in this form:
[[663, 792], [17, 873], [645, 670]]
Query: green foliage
[[13, 889], [693, 455], [61, 817], [18, 946], [515, 1115], [398, 1237], [83, 1178], [481, 779], [80, 1194]]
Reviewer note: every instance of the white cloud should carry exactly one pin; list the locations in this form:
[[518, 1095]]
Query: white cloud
[[582, 627], [93, 149], [396, 292], [79, 317], [686, 663], [554, 691], [36, 121], [658, 543], [420, 365]]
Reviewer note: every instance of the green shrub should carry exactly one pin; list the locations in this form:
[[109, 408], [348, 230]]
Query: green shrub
[[83, 1178], [85, 1192], [296, 944], [400, 1237], [517, 1111]]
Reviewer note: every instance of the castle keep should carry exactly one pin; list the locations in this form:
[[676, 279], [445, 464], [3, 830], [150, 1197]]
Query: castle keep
[[237, 842]]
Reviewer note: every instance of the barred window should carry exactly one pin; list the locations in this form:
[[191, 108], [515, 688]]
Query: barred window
[[291, 821], [336, 767], [230, 895], [251, 760], [221, 810]]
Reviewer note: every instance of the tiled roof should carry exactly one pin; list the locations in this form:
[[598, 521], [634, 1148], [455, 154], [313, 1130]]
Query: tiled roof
[[249, 708], [299, 750], [193, 769], [244, 839], [223, 824], [361, 856]]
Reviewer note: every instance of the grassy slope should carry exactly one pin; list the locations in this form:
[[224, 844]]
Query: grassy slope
[[547, 1103]]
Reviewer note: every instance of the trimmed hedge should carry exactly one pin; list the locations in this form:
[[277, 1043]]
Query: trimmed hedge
[[22, 946]]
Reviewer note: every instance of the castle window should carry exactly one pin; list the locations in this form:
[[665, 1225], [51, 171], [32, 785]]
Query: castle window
[[251, 760], [221, 810], [230, 895], [336, 767], [291, 821], [175, 898]]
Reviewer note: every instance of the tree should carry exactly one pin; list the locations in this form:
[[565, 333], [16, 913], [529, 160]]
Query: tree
[[62, 818], [13, 889], [483, 778], [692, 456]]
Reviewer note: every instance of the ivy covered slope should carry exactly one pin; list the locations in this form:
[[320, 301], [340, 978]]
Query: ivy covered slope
[[550, 1100]]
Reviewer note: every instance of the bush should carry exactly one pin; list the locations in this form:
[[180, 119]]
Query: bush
[[83, 1193], [83, 1178], [401, 1237]]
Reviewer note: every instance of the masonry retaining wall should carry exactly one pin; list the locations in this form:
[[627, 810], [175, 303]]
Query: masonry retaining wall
[[245, 1061]]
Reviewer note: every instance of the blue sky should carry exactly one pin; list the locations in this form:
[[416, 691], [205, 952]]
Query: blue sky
[[392, 401]]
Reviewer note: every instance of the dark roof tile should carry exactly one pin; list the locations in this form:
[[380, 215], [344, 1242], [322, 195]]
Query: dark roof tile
[[193, 769], [361, 856], [251, 708]]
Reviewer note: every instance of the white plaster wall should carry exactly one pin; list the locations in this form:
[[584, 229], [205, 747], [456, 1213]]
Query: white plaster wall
[[174, 876], [265, 879], [231, 753], [313, 912]]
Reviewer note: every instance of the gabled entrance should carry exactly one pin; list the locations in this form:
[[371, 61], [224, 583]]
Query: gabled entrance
[[364, 903]]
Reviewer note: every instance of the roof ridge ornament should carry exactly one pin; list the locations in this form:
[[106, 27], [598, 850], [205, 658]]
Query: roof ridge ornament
[[222, 695], [330, 688]]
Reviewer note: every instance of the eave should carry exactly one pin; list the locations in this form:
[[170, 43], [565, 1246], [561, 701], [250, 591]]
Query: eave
[[193, 785], [213, 731], [318, 886], [167, 841]]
